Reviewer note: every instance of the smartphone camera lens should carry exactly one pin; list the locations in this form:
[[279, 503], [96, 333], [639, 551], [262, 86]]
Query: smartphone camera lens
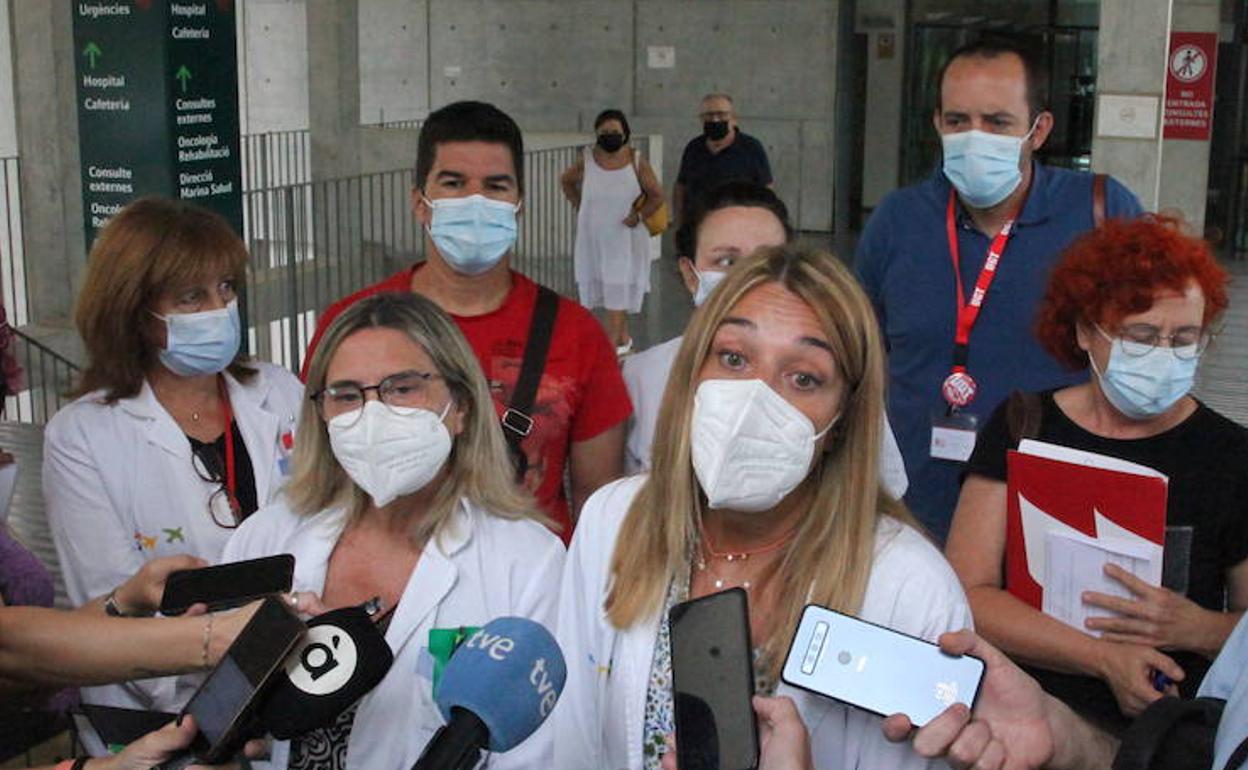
[[844, 658], [714, 652]]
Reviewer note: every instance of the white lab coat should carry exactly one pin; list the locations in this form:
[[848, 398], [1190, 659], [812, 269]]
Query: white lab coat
[[120, 491], [482, 568], [645, 376], [600, 718]]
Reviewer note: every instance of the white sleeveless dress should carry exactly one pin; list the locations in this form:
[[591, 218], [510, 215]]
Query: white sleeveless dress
[[612, 260]]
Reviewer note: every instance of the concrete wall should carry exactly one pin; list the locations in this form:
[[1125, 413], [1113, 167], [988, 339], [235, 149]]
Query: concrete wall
[[554, 64], [273, 72], [1185, 162]]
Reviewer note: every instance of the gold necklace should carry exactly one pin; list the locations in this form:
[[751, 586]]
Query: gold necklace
[[707, 556]]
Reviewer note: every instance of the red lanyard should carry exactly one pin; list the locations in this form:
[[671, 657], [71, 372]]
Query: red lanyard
[[959, 388], [231, 480]]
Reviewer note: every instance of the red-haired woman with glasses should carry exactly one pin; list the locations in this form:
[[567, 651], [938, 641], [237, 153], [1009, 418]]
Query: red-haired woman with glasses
[[1135, 303]]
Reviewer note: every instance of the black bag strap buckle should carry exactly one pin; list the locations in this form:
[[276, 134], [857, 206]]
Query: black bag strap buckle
[[517, 422]]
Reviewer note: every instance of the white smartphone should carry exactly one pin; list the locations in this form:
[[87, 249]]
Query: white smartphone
[[876, 668]]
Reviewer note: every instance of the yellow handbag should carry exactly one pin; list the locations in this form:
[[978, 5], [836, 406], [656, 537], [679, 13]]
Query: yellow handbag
[[658, 222]]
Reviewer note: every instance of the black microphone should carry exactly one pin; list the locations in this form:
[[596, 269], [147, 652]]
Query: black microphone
[[496, 690], [343, 657]]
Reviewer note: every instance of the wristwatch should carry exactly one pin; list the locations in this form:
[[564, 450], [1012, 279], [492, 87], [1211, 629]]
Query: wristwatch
[[112, 609]]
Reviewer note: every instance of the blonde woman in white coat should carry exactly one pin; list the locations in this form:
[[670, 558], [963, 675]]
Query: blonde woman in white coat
[[767, 478], [175, 437], [402, 490]]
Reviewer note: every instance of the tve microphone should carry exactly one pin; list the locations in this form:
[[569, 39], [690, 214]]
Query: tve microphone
[[342, 657], [497, 689]]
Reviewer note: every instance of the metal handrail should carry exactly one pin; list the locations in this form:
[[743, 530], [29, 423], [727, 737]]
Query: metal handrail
[[47, 378]]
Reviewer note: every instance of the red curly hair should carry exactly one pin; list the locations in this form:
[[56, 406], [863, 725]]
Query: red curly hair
[[1116, 271]]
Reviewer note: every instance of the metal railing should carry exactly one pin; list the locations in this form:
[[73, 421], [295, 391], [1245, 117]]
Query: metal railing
[[47, 378], [12, 254], [275, 158], [316, 242]]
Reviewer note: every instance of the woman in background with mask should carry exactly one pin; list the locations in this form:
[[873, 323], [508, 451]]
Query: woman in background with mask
[[402, 490], [766, 478], [612, 252], [176, 437], [1135, 302]]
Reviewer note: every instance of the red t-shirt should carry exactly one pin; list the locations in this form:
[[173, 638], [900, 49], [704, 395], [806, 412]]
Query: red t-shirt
[[581, 392]]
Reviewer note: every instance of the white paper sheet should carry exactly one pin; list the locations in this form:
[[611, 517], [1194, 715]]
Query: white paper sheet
[[1075, 563]]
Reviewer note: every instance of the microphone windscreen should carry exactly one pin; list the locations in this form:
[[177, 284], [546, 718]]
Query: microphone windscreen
[[342, 658], [509, 674]]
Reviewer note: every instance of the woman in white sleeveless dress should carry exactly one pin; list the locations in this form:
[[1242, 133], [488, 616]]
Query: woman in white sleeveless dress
[[612, 256]]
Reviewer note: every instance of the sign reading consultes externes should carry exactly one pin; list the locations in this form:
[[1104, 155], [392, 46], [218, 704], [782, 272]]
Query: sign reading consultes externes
[[157, 85]]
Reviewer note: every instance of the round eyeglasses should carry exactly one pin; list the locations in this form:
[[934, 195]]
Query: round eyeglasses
[[1186, 343], [223, 507], [404, 389]]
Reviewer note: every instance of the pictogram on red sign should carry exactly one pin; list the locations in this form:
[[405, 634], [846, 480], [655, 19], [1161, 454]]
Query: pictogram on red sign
[[1189, 85]]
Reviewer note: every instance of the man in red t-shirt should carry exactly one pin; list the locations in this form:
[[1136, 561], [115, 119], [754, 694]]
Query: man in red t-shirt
[[469, 185]]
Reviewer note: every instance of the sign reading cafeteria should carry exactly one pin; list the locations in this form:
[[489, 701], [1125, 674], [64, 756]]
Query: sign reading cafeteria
[[157, 86], [1190, 72]]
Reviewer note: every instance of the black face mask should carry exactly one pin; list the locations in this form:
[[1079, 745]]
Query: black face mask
[[611, 142], [715, 129]]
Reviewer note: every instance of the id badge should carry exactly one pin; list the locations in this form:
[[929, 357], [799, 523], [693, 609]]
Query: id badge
[[953, 436]]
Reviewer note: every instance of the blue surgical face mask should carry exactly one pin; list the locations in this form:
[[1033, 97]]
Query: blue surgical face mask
[[200, 343], [1145, 385], [707, 281], [983, 167], [472, 233]]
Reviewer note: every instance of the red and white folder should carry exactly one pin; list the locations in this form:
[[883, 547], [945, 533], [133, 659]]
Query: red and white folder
[[1069, 511]]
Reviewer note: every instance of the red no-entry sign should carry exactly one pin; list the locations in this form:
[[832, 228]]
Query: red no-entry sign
[[1190, 73]]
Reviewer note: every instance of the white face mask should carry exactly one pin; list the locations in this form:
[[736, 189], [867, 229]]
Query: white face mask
[[750, 447], [707, 281], [390, 451]]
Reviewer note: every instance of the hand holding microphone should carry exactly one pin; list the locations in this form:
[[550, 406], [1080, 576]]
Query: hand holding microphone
[[497, 689]]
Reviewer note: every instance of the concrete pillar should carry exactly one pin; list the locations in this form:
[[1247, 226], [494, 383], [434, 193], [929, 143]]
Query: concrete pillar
[[1132, 47], [8, 125], [1185, 162], [47, 139], [334, 87]]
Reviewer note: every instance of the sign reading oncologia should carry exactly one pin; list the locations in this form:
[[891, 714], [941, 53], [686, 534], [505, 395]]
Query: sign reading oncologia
[[157, 94]]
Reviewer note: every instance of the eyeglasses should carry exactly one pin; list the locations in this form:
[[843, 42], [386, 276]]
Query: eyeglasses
[[1140, 340], [404, 389], [715, 115], [223, 507]]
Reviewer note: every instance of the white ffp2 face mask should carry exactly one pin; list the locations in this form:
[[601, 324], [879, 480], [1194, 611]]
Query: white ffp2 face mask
[[750, 447], [390, 451], [707, 281]]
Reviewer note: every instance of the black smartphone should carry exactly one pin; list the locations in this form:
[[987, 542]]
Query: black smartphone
[[713, 683], [119, 727], [224, 704], [224, 586]]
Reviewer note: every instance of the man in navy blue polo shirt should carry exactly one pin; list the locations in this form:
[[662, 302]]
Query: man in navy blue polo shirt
[[722, 153], [958, 324]]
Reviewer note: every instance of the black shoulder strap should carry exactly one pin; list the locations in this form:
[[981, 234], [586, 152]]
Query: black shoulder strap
[[1098, 200], [1171, 734], [517, 422], [1238, 757], [1023, 415]]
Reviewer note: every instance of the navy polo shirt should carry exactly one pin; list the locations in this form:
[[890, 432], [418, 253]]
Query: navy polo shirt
[[701, 169], [904, 264]]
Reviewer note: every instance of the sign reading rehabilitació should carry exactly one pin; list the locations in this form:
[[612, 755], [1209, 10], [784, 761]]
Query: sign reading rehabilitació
[[157, 87]]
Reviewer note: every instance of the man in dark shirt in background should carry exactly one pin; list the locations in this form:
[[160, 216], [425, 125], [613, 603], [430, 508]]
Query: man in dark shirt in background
[[722, 153]]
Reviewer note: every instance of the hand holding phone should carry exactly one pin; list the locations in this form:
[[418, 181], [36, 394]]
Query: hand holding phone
[[225, 586], [225, 703], [876, 668]]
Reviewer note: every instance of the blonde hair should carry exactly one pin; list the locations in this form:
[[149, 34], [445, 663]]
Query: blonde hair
[[152, 246], [829, 559], [479, 468]]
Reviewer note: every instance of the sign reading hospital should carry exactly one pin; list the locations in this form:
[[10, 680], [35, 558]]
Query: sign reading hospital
[[1190, 72], [157, 88]]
